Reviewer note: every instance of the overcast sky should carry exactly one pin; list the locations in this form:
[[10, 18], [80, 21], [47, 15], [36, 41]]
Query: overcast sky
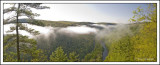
[[114, 13]]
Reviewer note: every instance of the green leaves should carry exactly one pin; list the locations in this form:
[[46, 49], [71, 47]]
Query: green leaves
[[149, 15], [95, 55], [138, 16], [135, 12]]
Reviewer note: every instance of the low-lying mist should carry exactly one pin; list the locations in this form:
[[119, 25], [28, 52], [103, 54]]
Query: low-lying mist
[[48, 31], [114, 32], [48, 34]]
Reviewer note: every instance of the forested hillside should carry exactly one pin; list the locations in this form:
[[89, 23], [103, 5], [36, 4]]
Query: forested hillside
[[79, 48], [142, 45], [56, 23]]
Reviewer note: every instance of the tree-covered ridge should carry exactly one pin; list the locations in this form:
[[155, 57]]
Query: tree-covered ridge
[[56, 23]]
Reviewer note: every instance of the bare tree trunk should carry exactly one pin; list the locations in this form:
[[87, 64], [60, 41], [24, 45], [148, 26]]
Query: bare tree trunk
[[18, 52]]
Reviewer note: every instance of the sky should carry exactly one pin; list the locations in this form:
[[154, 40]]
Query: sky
[[112, 13]]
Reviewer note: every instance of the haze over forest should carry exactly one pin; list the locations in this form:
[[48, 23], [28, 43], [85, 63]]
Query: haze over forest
[[80, 32]]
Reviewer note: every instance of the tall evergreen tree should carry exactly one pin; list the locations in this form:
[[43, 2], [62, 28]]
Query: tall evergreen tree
[[22, 9], [58, 55]]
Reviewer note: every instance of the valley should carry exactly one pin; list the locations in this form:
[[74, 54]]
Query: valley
[[79, 37]]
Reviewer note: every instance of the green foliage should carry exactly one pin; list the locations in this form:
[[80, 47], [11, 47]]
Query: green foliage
[[73, 57], [58, 55], [120, 50], [28, 49], [149, 15], [39, 56], [139, 16], [142, 46], [23, 9], [9, 57], [95, 55], [152, 13], [145, 43], [81, 44]]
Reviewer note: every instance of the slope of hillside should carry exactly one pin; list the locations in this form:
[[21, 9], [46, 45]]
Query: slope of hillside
[[139, 47]]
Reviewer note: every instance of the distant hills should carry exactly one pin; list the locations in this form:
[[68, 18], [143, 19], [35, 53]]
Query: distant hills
[[56, 23]]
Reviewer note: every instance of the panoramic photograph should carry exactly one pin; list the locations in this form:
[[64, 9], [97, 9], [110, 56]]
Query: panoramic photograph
[[79, 32]]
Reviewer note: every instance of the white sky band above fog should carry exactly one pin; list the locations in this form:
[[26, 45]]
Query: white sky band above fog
[[73, 12], [113, 13]]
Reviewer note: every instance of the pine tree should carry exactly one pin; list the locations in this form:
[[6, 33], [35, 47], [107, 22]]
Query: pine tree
[[58, 55], [23, 9], [39, 56]]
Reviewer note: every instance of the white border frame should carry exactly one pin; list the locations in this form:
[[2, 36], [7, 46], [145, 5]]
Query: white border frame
[[79, 2]]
